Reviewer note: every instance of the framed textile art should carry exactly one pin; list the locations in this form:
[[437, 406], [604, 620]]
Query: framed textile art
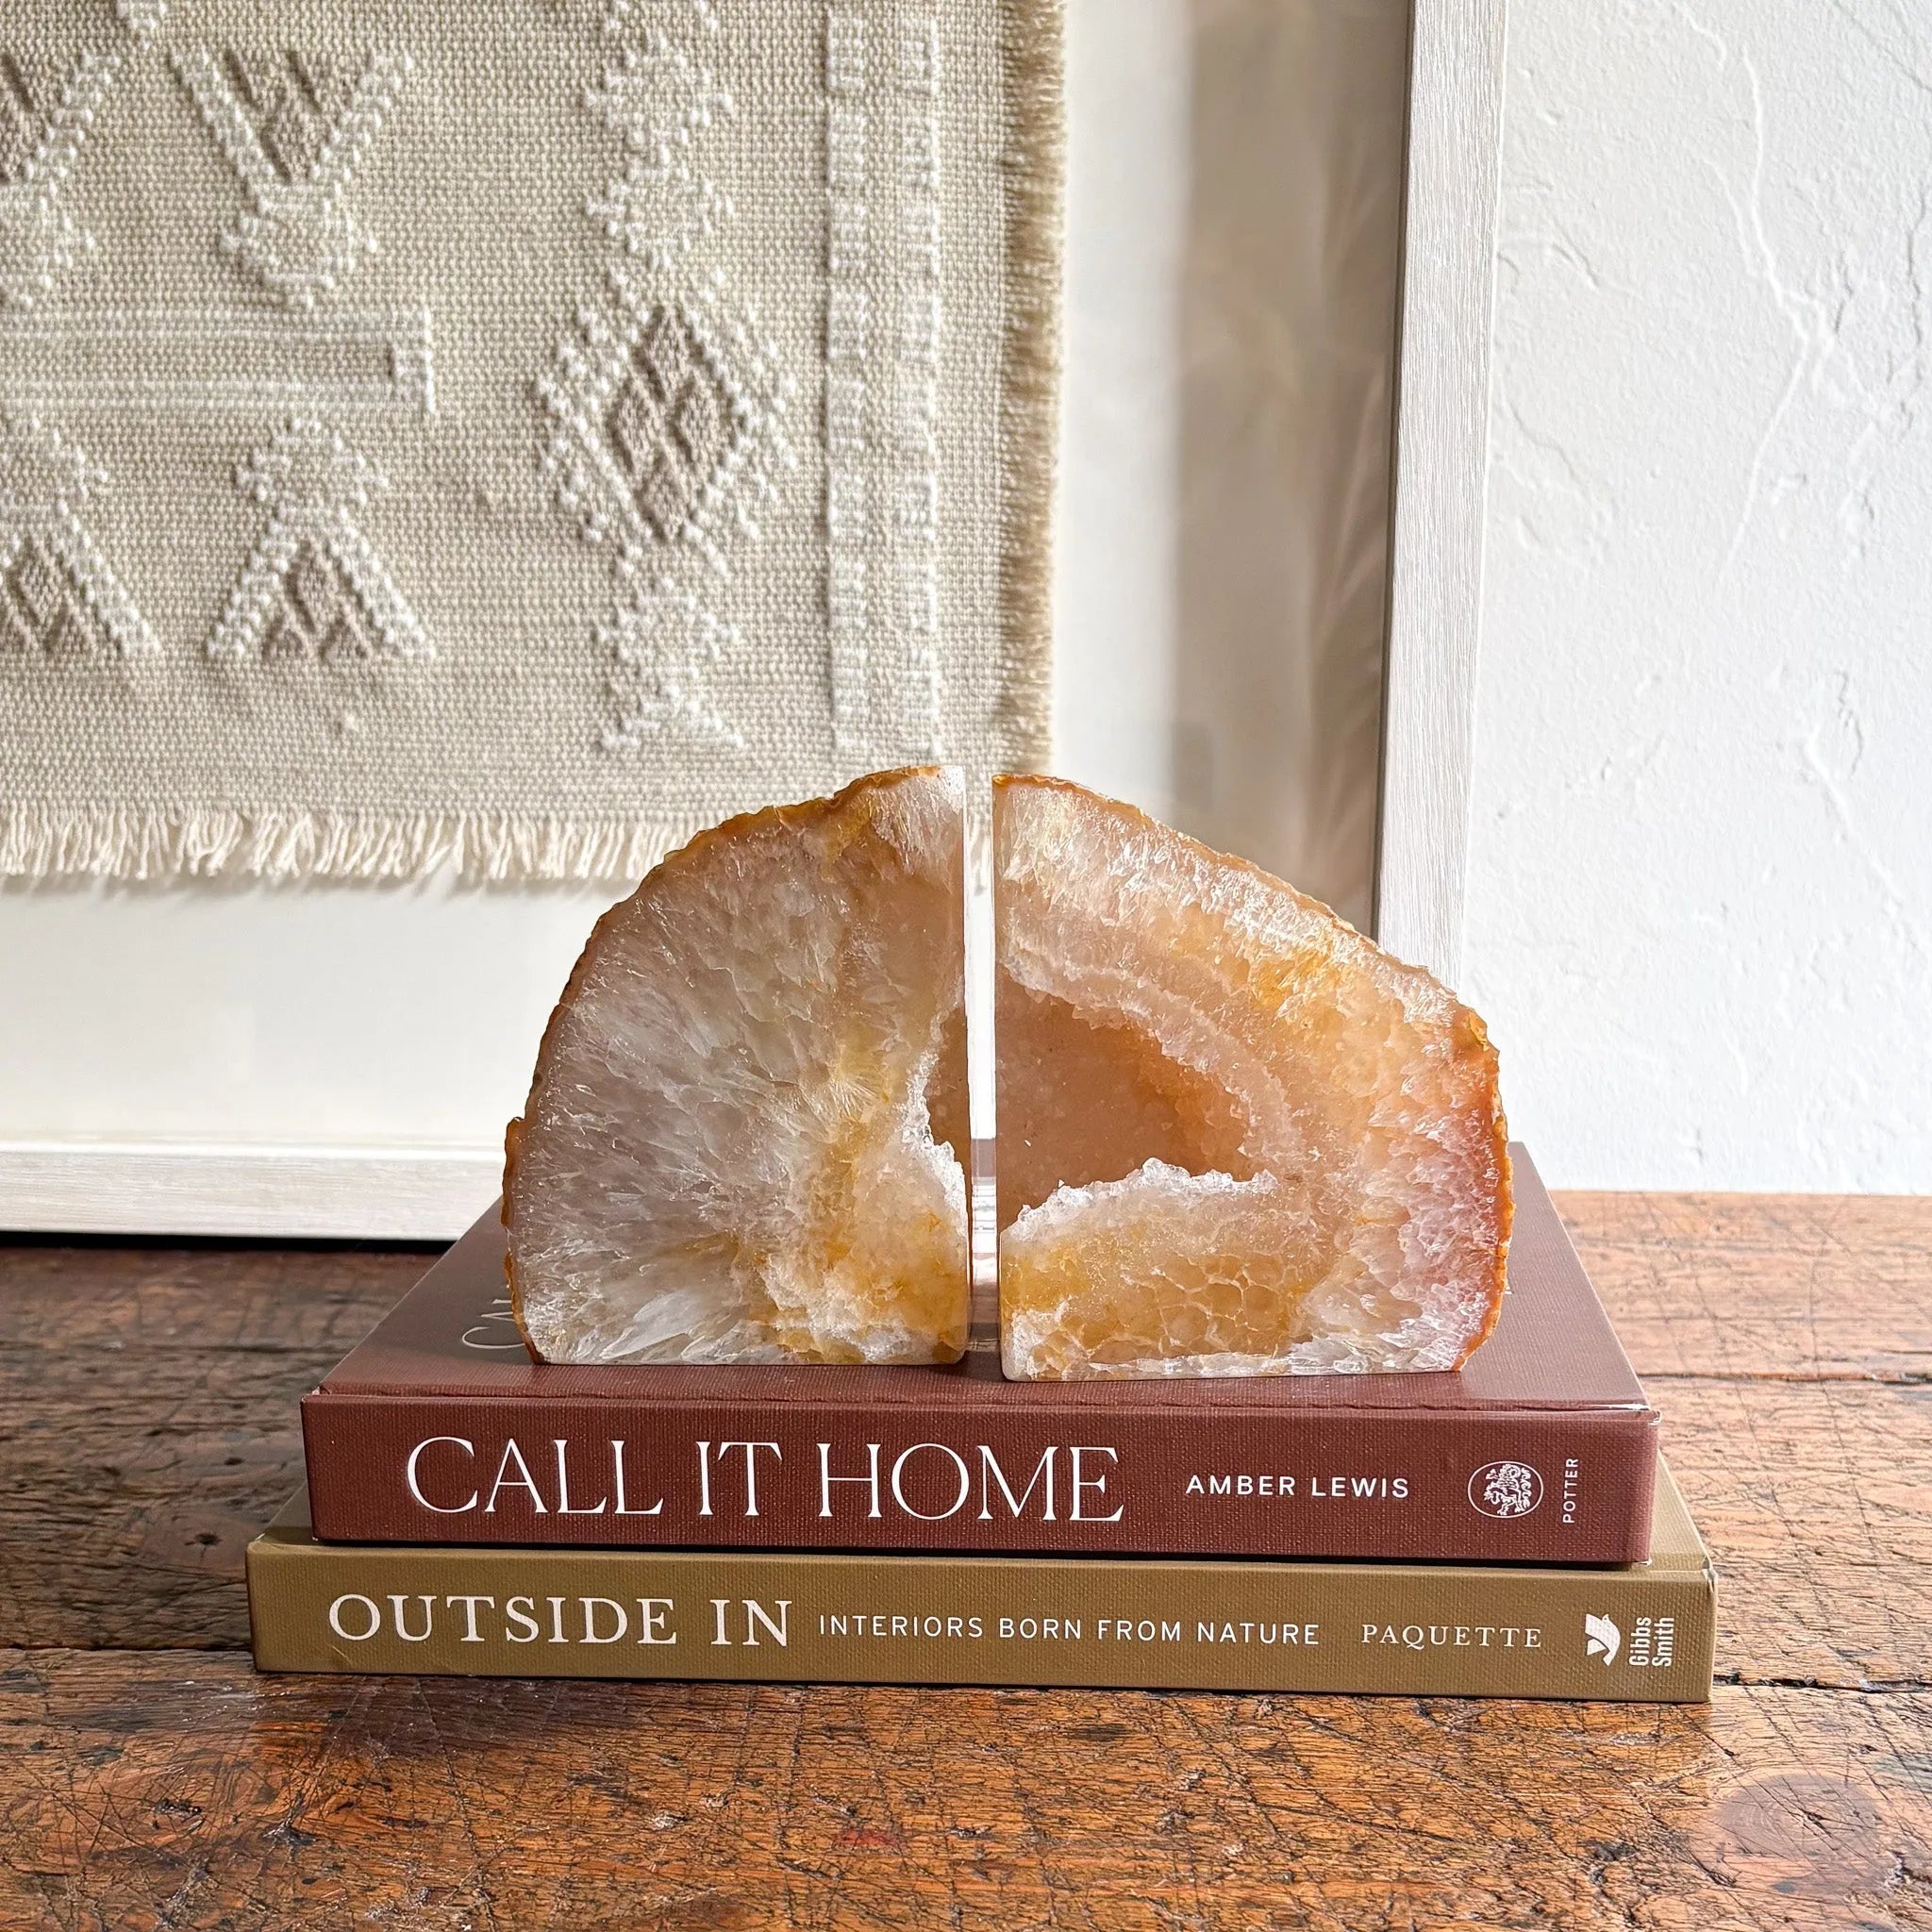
[[498, 437], [513, 435]]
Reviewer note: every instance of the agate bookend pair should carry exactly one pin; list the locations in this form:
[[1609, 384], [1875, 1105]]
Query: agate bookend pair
[[1233, 1137]]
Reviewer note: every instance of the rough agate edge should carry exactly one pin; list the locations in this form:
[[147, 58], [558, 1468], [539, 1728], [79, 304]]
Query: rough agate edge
[[742, 1137], [1348, 1211]]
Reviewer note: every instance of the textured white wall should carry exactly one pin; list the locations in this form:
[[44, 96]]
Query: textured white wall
[[1699, 918]]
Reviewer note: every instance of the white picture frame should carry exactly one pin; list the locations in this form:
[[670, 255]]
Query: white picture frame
[[273, 1188], [1442, 466]]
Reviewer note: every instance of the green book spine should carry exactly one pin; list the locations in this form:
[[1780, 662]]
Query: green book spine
[[1643, 1633]]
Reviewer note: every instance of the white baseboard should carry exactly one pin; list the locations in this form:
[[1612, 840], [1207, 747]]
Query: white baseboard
[[367, 1193]]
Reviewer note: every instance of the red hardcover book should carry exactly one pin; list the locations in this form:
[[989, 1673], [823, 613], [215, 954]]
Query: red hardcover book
[[441, 1430]]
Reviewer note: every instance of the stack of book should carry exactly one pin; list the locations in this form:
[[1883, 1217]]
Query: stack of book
[[1509, 1530]]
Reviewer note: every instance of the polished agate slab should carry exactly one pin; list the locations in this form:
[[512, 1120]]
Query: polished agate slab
[[742, 1141], [1234, 1136]]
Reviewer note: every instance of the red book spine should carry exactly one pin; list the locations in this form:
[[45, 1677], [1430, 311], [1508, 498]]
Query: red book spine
[[1562, 1485]]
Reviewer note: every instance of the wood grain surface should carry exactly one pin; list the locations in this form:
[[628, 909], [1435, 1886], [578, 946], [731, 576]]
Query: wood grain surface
[[1799, 1286], [148, 1425], [149, 1778], [221, 1798]]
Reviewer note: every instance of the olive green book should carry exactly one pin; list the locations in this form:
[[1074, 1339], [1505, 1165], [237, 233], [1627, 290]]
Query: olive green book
[[1643, 1632]]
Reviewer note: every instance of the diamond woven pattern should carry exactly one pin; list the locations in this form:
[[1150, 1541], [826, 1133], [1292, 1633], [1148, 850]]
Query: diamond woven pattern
[[512, 434]]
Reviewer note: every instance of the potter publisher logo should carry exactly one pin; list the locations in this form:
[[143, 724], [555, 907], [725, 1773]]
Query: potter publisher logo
[[1601, 1638], [1506, 1489]]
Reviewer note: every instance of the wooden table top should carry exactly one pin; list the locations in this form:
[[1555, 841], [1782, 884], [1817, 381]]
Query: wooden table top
[[149, 1778]]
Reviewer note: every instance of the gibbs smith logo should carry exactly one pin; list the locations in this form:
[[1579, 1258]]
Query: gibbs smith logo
[[1653, 1645], [1505, 1490]]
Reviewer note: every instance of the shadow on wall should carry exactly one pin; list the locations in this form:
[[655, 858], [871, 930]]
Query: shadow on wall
[[1288, 327]]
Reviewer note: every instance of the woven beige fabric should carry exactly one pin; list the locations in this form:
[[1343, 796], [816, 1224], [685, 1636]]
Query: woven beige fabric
[[513, 433]]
